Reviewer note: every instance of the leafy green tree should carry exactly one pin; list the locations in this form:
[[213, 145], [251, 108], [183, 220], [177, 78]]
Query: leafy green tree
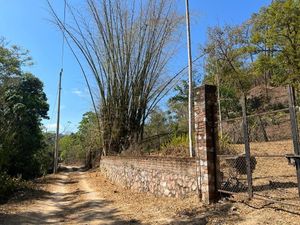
[[45, 155], [22, 106], [276, 38], [265, 50], [71, 150], [90, 137], [11, 61], [157, 124], [84, 145], [25, 104], [178, 108], [229, 55]]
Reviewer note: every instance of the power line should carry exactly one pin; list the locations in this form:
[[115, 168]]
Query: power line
[[63, 36]]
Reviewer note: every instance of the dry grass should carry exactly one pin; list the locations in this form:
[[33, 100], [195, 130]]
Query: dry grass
[[273, 176], [148, 209]]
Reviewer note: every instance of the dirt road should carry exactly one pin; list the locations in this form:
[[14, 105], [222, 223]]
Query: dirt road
[[75, 196], [68, 199]]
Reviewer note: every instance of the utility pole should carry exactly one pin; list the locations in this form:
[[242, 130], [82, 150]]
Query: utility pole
[[190, 79], [219, 104], [55, 161], [57, 126]]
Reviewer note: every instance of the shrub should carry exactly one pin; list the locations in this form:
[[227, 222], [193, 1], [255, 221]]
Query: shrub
[[177, 146], [10, 185]]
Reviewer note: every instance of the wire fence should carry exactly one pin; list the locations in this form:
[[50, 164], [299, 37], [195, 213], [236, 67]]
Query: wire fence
[[271, 167], [257, 151]]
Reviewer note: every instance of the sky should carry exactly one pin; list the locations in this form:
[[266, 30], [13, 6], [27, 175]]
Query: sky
[[27, 23]]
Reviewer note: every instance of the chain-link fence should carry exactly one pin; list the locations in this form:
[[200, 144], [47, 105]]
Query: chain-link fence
[[263, 163], [275, 178]]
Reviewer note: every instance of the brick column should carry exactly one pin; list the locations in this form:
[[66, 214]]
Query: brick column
[[206, 132]]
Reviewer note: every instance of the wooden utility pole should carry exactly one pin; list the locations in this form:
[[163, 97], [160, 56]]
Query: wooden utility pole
[[57, 125], [190, 79], [55, 161]]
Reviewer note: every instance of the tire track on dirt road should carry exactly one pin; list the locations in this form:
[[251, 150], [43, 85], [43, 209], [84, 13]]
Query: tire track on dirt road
[[67, 199], [44, 210], [90, 207]]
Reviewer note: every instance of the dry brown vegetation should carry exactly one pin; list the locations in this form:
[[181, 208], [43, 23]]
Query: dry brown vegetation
[[75, 197], [273, 176]]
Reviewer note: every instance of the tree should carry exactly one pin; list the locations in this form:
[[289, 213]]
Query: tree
[[90, 137], [263, 50], [11, 61], [25, 104], [22, 106], [276, 38], [71, 150], [178, 108], [157, 124], [229, 57], [126, 45], [45, 155], [84, 145]]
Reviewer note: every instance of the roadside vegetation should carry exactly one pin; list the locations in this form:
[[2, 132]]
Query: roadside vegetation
[[127, 46], [23, 104], [83, 146]]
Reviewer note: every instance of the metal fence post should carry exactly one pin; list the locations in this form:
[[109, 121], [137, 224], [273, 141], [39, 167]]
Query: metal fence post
[[295, 131], [247, 146]]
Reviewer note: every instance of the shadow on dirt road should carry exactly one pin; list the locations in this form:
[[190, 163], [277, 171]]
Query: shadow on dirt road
[[67, 199]]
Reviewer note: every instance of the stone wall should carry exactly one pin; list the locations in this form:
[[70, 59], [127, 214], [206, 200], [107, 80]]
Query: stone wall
[[177, 177], [171, 177]]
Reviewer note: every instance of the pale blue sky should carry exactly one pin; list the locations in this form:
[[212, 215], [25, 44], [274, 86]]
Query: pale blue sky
[[26, 23]]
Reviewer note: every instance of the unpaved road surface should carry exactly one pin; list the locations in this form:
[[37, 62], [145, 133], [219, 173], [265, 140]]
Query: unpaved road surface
[[75, 196], [68, 199]]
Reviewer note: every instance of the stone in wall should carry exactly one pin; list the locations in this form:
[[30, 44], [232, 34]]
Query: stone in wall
[[159, 176]]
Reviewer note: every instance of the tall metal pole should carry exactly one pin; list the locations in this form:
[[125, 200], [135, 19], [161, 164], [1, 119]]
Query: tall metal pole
[[295, 131], [190, 79], [219, 105], [247, 146], [57, 126]]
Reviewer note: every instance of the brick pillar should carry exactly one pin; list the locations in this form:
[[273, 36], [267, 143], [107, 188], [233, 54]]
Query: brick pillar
[[206, 132]]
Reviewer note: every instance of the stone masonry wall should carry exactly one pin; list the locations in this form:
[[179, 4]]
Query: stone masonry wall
[[176, 177], [171, 177]]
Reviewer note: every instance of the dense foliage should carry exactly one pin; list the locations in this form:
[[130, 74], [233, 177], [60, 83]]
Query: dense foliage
[[22, 106], [84, 145]]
